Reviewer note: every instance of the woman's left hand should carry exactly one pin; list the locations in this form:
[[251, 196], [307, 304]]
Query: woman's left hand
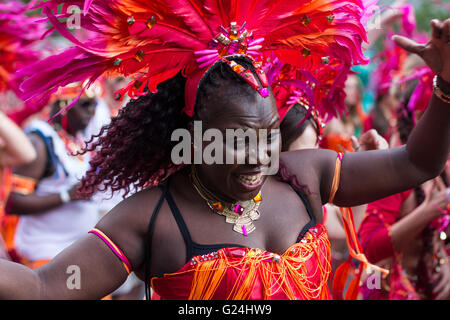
[[435, 53], [370, 140]]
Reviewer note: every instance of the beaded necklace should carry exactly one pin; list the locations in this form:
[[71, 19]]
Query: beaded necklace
[[241, 214]]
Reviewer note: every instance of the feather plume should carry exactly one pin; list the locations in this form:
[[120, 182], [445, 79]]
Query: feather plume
[[153, 40]]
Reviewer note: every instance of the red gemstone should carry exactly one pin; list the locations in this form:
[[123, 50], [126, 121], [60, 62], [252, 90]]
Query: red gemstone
[[239, 209]]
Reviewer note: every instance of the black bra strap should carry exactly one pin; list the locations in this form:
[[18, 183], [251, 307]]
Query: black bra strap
[[148, 241], [312, 221], [181, 224], [306, 204]]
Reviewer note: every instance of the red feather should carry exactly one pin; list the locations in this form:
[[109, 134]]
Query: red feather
[[124, 41], [192, 15]]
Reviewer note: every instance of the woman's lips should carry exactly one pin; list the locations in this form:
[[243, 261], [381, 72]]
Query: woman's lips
[[250, 179], [250, 182]]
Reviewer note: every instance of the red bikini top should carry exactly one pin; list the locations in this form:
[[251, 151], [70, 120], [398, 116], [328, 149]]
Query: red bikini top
[[301, 272]]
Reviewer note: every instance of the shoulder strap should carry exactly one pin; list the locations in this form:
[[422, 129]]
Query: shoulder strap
[[312, 221], [181, 224], [148, 239]]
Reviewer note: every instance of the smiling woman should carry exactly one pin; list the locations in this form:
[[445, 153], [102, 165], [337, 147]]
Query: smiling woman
[[172, 233]]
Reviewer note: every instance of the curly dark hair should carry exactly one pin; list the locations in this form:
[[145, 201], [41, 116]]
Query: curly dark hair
[[133, 151]]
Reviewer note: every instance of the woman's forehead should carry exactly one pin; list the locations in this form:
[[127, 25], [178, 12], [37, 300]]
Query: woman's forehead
[[257, 112]]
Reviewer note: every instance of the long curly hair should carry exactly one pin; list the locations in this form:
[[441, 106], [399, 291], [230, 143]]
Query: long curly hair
[[133, 151]]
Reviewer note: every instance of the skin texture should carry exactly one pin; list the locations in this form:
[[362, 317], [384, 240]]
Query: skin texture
[[282, 212]]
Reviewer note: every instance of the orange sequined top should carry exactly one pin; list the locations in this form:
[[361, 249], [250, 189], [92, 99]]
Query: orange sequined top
[[301, 272]]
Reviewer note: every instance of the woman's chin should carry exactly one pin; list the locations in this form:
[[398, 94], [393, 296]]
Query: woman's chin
[[248, 186]]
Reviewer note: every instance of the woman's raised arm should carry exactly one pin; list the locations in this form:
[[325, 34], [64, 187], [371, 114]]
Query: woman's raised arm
[[372, 175]]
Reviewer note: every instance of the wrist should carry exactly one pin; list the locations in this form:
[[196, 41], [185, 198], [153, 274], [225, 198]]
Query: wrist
[[429, 211], [65, 196], [441, 89], [443, 84]]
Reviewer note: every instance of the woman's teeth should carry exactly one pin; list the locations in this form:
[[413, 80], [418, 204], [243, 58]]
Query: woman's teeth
[[250, 179]]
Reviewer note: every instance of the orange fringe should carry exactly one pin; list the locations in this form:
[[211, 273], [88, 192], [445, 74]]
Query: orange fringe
[[356, 252], [8, 223], [5, 188], [289, 274], [23, 185]]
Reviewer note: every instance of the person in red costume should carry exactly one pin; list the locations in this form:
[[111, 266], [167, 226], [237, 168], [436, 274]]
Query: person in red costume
[[15, 150], [175, 236], [307, 136], [405, 232]]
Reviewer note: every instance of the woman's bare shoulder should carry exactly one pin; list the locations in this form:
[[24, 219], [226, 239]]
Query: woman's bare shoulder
[[126, 224]]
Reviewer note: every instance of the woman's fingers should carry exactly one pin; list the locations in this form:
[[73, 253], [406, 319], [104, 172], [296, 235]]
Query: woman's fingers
[[355, 144], [440, 185], [428, 188], [408, 44], [442, 290], [445, 31], [436, 29]]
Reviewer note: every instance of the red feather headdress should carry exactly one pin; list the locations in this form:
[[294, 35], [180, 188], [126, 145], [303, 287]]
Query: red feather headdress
[[320, 91], [19, 39], [18, 34], [151, 41]]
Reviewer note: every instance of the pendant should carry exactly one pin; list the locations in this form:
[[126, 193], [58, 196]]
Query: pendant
[[254, 214], [242, 223]]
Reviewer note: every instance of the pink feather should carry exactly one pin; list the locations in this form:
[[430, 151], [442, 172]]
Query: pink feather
[[193, 16]]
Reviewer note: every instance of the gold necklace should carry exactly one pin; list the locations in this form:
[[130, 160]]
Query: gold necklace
[[241, 214]]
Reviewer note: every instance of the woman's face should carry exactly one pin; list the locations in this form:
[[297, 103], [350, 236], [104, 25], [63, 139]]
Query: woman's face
[[255, 115], [81, 114]]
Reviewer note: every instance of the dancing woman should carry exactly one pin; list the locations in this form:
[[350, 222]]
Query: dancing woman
[[175, 236]]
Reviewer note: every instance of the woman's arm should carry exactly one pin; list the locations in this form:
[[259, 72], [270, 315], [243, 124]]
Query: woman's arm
[[17, 149], [409, 228], [367, 176], [372, 175], [31, 203], [88, 269]]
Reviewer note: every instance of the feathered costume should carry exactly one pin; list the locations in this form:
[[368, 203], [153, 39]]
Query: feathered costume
[[151, 41], [380, 215], [19, 34]]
